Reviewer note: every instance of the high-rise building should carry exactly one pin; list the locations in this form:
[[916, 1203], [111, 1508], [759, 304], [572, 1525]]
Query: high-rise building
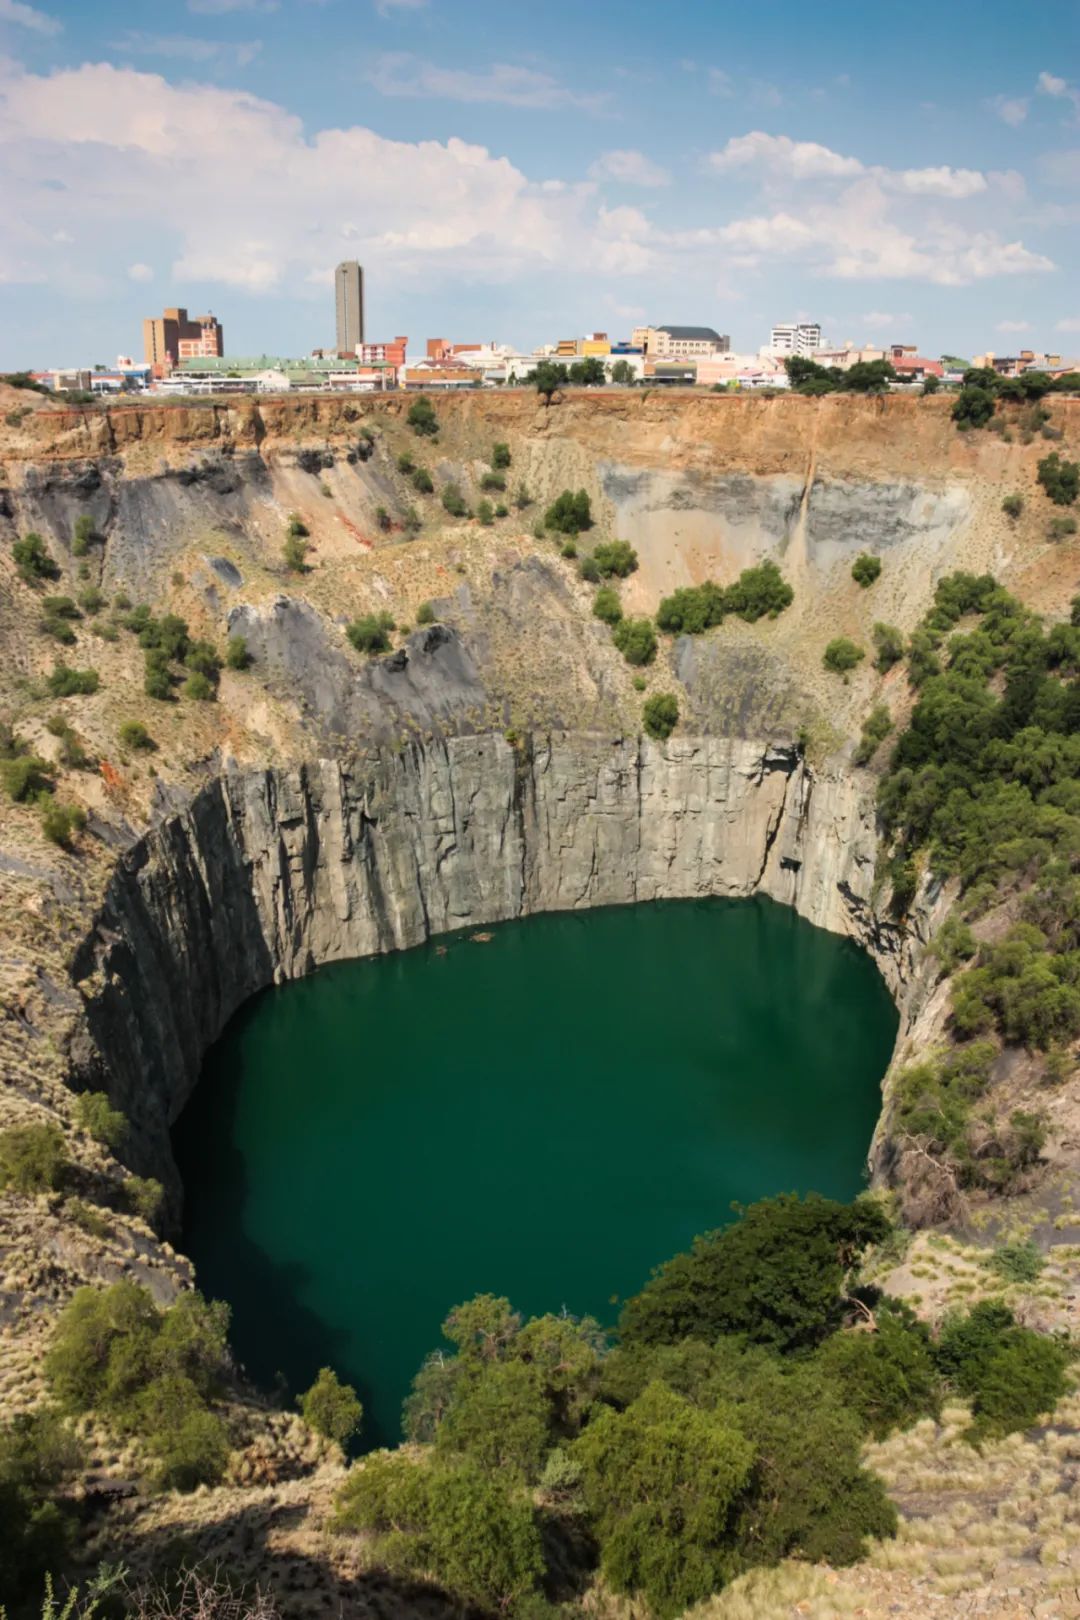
[[172, 337], [349, 304], [802, 338]]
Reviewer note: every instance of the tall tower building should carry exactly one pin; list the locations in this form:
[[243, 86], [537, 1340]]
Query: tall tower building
[[349, 303]]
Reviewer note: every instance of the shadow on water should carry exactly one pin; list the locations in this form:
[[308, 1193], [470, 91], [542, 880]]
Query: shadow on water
[[281, 1354]]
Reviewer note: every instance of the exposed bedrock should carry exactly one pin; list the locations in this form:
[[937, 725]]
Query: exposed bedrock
[[267, 874]]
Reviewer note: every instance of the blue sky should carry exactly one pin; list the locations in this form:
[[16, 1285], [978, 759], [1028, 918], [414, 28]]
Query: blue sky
[[907, 172]]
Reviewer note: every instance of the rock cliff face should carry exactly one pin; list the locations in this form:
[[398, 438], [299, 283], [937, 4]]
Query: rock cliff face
[[266, 875]]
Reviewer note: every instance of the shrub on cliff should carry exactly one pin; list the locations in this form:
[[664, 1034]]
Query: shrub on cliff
[[660, 715], [33, 1159], [888, 646], [371, 632], [1011, 1374], [144, 1197], [331, 1407], [569, 513], [454, 501], [237, 655], [636, 640], [842, 655], [500, 456], [157, 679], [865, 569], [63, 681], [26, 777], [422, 418], [151, 1374], [32, 559], [1060, 479], [606, 605], [60, 822], [38, 1455], [423, 482], [973, 407], [615, 559], [96, 1115], [875, 728], [83, 535], [294, 551]]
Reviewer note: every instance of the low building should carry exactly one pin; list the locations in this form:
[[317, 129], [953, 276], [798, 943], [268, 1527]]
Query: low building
[[328, 372], [910, 365], [383, 354], [680, 342], [1014, 365], [727, 368], [440, 375]]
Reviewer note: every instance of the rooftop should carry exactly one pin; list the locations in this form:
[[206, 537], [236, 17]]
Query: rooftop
[[690, 334]]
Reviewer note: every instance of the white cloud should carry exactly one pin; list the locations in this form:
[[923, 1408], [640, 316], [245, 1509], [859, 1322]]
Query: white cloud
[[1070, 324], [14, 11], [720, 83], [399, 74], [1011, 110], [1013, 326], [140, 272], [387, 8], [186, 48], [779, 155], [1049, 84], [630, 168]]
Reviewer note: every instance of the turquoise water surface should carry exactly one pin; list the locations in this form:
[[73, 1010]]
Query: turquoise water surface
[[545, 1116]]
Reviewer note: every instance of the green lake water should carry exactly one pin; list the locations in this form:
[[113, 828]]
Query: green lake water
[[546, 1116]]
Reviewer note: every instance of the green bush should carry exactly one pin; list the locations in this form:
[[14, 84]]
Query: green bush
[[636, 640], [569, 546], [501, 509], [405, 463], [454, 501], [32, 559], [26, 777], [569, 513], [606, 605], [203, 658], [425, 613], [1010, 1374], [953, 943], [485, 513], [38, 1455], [875, 728], [157, 680], [295, 551], [973, 407], [775, 1276], [83, 536], [865, 569], [151, 1374], [331, 1407], [660, 715], [888, 646], [1059, 528], [96, 1115], [1060, 479], [371, 633], [60, 822], [1012, 505], [842, 655], [423, 482], [92, 600], [615, 559], [500, 456], [1017, 1262], [888, 1377], [757, 592], [422, 418], [144, 1197], [66, 682], [522, 497], [449, 1520], [492, 480], [237, 655], [33, 1159], [199, 688]]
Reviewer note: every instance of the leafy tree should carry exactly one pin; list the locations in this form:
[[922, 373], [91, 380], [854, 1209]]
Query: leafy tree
[[405, 463], [774, 1275], [422, 418], [548, 378], [636, 640], [662, 1482], [33, 1159], [1060, 479], [500, 1417], [888, 646], [622, 372], [237, 655], [888, 1377], [331, 1407], [615, 559], [842, 655], [569, 513], [157, 680], [32, 559], [865, 569], [66, 682], [588, 372], [423, 482], [660, 714], [931, 383], [1013, 505], [875, 728], [454, 501], [97, 1116], [1010, 1373], [485, 513], [807, 377], [199, 688], [203, 658], [371, 632], [692, 609], [500, 455], [449, 1520], [83, 535], [973, 406], [295, 552], [425, 613], [606, 605], [869, 377], [38, 1455], [758, 592], [60, 822], [492, 480], [144, 1197], [26, 777]]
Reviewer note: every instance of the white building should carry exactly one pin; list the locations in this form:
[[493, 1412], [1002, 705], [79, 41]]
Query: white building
[[802, 338]]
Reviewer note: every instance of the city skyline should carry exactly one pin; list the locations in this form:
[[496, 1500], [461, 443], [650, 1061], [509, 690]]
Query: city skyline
[[914, 178]]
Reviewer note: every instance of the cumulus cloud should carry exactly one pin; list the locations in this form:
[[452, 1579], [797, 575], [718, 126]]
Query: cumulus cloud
[[14, 11], [1049, 84], [140, 272], [779, 155], [630, 168], [400, 74]]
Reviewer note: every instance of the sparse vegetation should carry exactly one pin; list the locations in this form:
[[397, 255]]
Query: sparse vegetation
[[237, 655], [660, 715], [294, 551], [83, 535], [492, 480], [865, 569], [425, 613], [888, 646], [32, 559], [60, 822], [842, 655], [95, 1114], [33, 1159], [875, 728], [500, 456], [371, 633], [1012, 506], [606, 605], [64, 681], [422, 418], [423, 482], [454, 501], [485, 513]]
